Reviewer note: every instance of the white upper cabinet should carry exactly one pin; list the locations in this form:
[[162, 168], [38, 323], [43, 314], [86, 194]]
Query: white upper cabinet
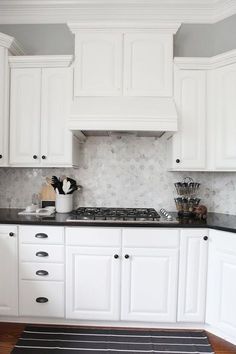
[[188, 145], [25, 116], [39, 109], [221, 292], [222, 113], [192, 275], [148, 64], [98, 64]]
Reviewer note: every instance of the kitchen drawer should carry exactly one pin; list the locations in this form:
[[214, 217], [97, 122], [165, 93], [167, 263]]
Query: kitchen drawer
[[41, 271], [93, 236], [46, 253], [41, 234], [149, 238], [53, 292]]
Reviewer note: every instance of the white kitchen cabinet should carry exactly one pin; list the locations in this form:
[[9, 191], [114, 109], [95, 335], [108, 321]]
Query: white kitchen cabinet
[[149, 275], [148, 64], [187, 147], [8, 271], [222, 123], [192, 275], [221, 288], [39, 108], [93, 283], [98, 64]]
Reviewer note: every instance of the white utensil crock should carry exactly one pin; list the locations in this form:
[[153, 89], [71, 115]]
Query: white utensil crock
[[64, 203]]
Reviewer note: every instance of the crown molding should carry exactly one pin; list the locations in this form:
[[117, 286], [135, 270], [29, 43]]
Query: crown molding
[[163, 27], [63, 11], [11, 44], [40, 61], [215, 62]]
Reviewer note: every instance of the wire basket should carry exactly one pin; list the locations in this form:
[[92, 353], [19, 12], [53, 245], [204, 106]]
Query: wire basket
[[187, 200]]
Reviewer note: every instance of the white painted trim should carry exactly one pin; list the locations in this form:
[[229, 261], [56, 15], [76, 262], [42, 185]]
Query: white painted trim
[[11, 44], [199, 63], [163, 27], [63, 11], [41, 61]]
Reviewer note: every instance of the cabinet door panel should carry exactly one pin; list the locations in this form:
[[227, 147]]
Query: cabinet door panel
[[56, 139], [149, 284], [25, 116], [222, 114], [192, 275], [93, 283], [8, 272], [221, 292], [148, 64], [189, 143], [98, 62]]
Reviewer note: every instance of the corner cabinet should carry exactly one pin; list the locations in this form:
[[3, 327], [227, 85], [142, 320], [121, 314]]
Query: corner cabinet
[[8, 271], [221, 294], [40, 99], [187, 147]]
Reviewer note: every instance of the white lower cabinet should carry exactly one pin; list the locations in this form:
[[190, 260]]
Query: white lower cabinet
[[192, 275], [8, 271], [41, 271], [221, 292]]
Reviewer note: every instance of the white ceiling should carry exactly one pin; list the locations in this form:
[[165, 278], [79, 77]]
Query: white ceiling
[[62, 11]]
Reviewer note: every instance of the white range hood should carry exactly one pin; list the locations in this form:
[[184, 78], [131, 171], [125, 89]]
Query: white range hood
[[150, 115], [123, 79]]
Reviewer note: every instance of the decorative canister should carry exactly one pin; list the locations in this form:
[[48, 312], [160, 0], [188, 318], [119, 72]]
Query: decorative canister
[[64, 203]]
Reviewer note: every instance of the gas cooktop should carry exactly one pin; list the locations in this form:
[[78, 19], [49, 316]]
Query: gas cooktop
[[119, 215]]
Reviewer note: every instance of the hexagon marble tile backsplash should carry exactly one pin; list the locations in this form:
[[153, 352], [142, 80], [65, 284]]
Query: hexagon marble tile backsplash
[[121, 172]]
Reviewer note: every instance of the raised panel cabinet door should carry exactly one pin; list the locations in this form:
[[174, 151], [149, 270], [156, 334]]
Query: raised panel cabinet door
[[56, 98], [8, 271], [223, 113], [98, 64], [25, 116], [4, 102], [221, 287], [148, 64], [192, 275], [189, 143], [93, 283], [149, 284]]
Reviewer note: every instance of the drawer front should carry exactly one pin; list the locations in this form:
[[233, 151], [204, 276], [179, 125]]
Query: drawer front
[[42, 253], [41, 234], [149, 238], [41, 271], [93, 236], [44, 299]]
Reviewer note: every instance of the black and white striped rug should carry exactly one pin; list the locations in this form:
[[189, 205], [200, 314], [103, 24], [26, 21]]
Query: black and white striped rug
[[53, 340]]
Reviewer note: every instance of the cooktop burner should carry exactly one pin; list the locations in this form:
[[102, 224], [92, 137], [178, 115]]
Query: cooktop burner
[[119, 215]]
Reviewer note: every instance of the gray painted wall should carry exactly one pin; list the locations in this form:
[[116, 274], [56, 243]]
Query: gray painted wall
[[191, 40]]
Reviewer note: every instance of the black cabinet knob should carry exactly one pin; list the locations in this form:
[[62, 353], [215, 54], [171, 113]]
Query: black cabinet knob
[[11, 234], [35, 157], [0, 156], [41, 300], [177, 160], [116, 256], [42, 254], [126, 256], [43, 157], [42, 272], [41, 235], [205, 238]]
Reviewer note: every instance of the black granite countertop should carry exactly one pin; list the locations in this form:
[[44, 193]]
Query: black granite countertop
[[216, 221]]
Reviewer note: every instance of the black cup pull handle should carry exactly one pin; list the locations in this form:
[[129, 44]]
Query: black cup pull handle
[[41, 300], [41, 235], [42, 272], [42, 254]]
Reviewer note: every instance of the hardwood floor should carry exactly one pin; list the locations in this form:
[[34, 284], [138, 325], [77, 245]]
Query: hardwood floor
[[9, 333]]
